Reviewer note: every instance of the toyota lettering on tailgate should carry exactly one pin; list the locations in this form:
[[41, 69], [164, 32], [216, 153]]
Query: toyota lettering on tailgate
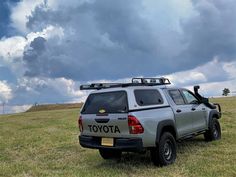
[[104, 128]]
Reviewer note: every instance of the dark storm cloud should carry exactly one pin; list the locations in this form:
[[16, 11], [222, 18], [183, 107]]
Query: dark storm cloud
[[112, 39], [32, 57], [123, 24], [109, 39], [210, 33]]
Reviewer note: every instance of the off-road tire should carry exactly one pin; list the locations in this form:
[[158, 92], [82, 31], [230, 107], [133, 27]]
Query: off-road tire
[[110, 153], [214, 131], [165, 152]]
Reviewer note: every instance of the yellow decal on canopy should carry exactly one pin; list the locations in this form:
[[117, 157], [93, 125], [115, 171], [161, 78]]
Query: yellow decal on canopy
[[102, 111]]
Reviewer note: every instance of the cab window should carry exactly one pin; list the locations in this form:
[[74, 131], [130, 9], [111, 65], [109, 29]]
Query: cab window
[[190, 98], [176, 97]]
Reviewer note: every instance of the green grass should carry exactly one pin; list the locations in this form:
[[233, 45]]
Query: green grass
[[45, 143]]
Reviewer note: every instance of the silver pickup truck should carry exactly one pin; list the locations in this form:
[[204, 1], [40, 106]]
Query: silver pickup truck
[[146, 114]]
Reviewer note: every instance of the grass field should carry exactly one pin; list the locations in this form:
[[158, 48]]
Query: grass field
[[45, 144]]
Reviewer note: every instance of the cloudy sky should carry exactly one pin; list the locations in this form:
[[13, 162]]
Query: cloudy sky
[[49, 47]]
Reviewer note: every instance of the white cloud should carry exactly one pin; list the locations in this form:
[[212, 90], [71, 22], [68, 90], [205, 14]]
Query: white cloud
[[5, 92], [230, 68], [24, 9], [47, 33], [209, 72], [21, 11], [60, 87], [66, 87], [186, 77], [16, 109], [12, 47]]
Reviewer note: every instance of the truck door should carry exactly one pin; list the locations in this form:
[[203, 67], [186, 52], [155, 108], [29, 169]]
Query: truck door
[[183, 116], [197, 110]]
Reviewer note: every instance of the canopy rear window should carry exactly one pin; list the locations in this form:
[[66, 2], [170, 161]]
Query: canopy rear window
[[107, 102], [148, 97]]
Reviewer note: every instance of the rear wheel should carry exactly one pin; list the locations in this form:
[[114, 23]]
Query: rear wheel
[[214, 131], [165, 153], [110, 153]]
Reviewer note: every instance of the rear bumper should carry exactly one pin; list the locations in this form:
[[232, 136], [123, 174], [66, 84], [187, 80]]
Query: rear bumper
[[124, 144]]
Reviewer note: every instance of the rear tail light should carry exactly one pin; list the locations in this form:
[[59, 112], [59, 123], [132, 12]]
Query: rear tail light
[[134, 125], [80, 124]]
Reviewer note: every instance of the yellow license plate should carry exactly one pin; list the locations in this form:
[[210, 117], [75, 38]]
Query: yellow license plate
[[107, 142]]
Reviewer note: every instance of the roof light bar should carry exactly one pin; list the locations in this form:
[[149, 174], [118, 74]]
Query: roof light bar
[[135, 82]]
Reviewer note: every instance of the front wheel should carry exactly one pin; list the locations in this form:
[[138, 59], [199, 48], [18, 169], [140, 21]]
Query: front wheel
[[214, 131], [165, 153], [110, 154]]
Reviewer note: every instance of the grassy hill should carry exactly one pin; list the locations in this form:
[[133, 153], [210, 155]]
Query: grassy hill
[[45, 143], [48, 107]]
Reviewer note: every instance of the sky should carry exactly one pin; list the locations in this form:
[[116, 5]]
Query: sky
[[48, 48]]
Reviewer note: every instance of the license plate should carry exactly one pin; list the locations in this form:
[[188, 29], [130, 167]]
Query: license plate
[[107, 142]]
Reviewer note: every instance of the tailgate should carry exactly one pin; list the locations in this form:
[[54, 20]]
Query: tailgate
[[111, 125], [105, 114]]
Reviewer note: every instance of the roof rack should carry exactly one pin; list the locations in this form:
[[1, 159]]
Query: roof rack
[[137, 81]]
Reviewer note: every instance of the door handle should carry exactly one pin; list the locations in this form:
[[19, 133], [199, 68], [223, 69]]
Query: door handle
[[178, 110], [193, 109], [203, 109]]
